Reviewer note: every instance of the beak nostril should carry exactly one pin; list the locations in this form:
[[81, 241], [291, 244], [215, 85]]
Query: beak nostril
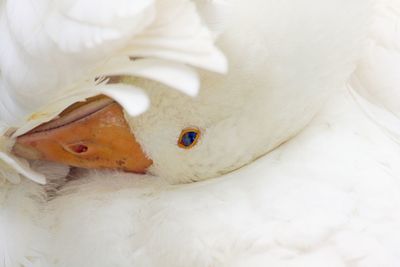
[[78, 148], [99, 140]]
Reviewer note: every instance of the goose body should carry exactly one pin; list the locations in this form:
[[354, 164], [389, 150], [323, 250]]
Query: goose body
[[297, 163], [309, 203]]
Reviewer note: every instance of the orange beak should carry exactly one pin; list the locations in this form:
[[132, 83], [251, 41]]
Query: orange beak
[[93, 134]]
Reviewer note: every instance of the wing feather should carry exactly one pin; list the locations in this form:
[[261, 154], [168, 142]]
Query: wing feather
[[97, 24], [175, 75], [179, 34], [214, 13], [376, 81], [57, 50]]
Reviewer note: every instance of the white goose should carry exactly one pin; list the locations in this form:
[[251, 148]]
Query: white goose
[[325, 192]]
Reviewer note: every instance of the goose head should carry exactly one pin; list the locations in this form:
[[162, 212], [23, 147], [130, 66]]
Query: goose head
[[284, 60]]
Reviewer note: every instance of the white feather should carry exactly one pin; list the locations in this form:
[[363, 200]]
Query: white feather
[[50, 48], [327, 196], [11, 167], [53, 53], [376, 82], [215, 13], [175, 75], [134, 100]]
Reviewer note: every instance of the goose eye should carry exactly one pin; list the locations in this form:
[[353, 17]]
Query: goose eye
[[189, 138]]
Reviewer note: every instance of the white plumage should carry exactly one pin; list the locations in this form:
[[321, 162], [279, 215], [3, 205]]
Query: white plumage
[[54, 54], [309, 105], [56, 50]]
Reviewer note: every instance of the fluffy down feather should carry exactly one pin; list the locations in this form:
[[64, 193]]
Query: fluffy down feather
[[376, 82], [55, 50], [330, 196], [56, 53], [322, 199]]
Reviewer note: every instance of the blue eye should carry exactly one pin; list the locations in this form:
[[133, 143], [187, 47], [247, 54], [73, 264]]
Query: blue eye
[[189, 138]]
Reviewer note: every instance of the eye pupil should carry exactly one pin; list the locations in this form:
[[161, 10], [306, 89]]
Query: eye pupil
[[188, 138]]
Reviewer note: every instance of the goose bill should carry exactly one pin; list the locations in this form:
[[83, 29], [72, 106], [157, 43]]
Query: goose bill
[[94, 134]]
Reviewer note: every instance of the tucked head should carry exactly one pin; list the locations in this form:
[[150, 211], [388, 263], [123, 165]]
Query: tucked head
[[284, 60]]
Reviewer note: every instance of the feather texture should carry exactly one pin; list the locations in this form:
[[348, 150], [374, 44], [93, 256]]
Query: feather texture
[[215, 13], [51, 48], [376, 82], [55, 53], [11, 167], [328, 196]]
